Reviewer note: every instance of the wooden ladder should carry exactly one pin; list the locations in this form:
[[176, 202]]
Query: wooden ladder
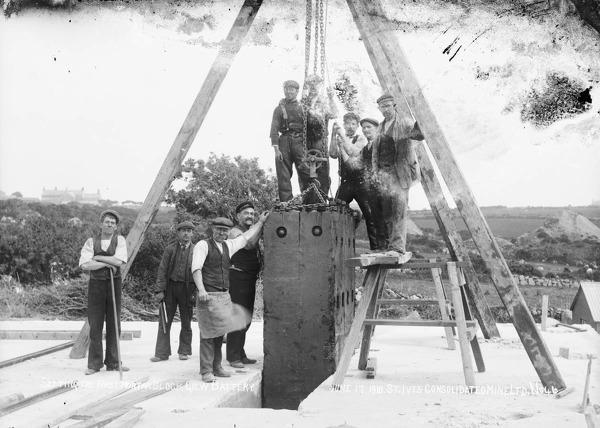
[[365, 316]]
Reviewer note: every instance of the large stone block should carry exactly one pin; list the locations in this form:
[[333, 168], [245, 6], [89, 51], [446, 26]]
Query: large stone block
[[308, 301]]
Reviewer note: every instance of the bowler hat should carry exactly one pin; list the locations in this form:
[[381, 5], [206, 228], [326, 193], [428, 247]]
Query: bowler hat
[[385, 97], [222, 222], [369, 120], [112, 213], [241, 207], [185, 225]]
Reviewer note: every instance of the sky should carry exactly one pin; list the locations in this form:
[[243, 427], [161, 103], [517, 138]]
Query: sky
[[94, 98]]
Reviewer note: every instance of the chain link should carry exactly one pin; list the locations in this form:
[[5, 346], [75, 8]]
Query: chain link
[[307, 31], [317, 32], [321, 22]]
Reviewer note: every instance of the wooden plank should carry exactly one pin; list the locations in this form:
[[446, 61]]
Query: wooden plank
[[586, 388], [544, 311], [91, 401], [371, 283], [436, 273], [41, 353], [418, 323], [51, 335], [483, 238], [389, 263], [102, 420], [431, 185], [132, 398], [36, 398], [192, 123], [365, 345], [9, 400], [127, 420], [571, 326], [372, 368], [471, 334], [407, 302], [461, 323]]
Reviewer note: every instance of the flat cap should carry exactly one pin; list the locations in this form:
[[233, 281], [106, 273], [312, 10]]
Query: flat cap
[[385, 97], [375, 122], [241, 207], [185, 225], [111, 213], [313, 79], [222, 222], [291, 83], [351, 116]]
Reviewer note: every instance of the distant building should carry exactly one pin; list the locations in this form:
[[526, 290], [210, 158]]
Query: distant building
[[596, 202], [65, 196], [586, 305]]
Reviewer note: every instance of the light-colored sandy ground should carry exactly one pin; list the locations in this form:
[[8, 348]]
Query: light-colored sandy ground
[[418, 384]]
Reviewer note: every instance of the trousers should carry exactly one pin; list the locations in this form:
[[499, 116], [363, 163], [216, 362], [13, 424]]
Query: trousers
[[359, 190], [389, 207], [100, 307], [242, 288], [211, 355], [175, 295]]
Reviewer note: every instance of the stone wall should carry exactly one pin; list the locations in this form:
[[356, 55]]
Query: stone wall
[[534, 281]]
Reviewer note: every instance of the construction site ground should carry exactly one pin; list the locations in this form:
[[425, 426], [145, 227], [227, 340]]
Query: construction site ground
[[419, 383]]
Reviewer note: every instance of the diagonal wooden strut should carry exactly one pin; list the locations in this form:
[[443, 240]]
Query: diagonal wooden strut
[[368, 14], [184, 139], [429, 180]]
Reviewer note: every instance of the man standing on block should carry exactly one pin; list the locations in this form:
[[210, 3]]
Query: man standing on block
[[243, 273], [354, 182], [174, 285], [395, 169], [100, 255], [287, 128], [216, 313]]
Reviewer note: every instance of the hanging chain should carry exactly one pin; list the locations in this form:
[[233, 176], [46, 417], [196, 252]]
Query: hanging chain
[[318, 34], [307, 31], [321, 22]]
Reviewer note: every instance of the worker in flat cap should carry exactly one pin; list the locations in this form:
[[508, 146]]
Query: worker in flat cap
[[320, 108], [175, 288], [287, 127], [346, 146], [395, 169], [217, 315], [243, 273], [100, 255]]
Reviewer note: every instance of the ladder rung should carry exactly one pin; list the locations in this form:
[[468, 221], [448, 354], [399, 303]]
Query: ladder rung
[[408, 302], [419, 323]]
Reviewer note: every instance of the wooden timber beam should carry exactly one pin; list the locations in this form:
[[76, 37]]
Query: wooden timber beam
[[429, 180], [43, 352], [369, 13], [184, 139]]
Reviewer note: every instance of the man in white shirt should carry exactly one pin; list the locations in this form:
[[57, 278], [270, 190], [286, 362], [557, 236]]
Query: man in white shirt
[[101, 255], [216, 314]]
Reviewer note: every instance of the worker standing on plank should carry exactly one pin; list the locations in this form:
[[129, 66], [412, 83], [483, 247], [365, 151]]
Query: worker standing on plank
[[100, 255], [395, 169], [216, 313], [175, 286]]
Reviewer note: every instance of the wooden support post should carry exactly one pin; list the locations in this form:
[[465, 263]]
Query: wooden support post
[[544, 311], [372, 281], [368, 330], [172, 164], [429, 180], [468, 316], [586, 388], [441, 295], [365, 11], [461, 326]]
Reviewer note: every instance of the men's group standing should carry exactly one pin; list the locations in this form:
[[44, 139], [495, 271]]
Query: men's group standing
[[376, 170]]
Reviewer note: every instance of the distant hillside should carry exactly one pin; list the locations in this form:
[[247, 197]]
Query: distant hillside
[[566, 225]]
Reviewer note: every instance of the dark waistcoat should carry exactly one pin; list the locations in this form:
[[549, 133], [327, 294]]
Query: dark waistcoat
[[110, 251], [246, 260], [215, 272]]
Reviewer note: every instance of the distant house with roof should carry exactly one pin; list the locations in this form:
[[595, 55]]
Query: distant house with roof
[[586, 305], [65, 196]]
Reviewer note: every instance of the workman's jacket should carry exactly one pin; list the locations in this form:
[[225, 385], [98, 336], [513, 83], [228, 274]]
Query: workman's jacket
[[167, 265], [287, 120]]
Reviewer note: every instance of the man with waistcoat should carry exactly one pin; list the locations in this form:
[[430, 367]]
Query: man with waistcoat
[[287, 128], [394, 169], [243, 273], [354, 182], [174, 285], [215, 311], [100, 255]]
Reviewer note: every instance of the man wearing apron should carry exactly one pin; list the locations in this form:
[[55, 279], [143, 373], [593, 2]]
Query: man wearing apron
[[216, 313]]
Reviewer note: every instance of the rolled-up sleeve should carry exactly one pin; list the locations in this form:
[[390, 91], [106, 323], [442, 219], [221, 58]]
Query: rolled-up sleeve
[[236, 244], [121, 251], [87, 252], [199, 256]]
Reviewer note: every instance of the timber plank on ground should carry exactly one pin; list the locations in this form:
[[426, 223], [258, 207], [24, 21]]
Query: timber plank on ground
[[127, 420], [36, 398], [132, 398], [56, 335], [41, 353]]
